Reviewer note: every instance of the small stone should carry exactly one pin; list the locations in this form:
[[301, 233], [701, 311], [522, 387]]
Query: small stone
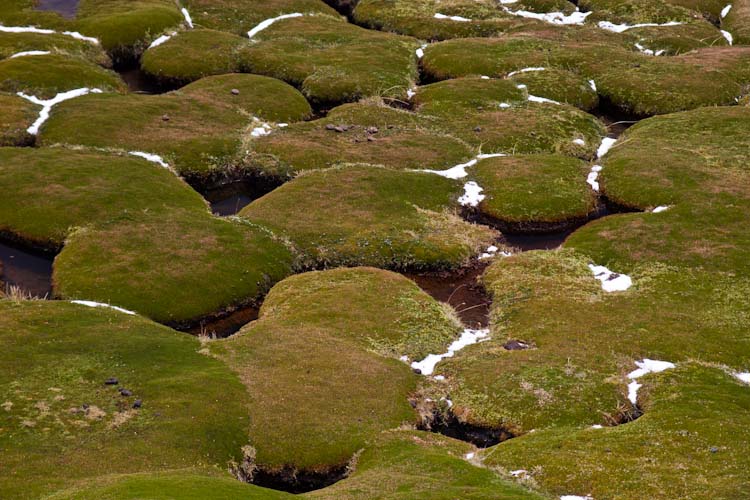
[[330, 126], [370, 139], [125, 392], [713, 449], [477, 129], [390, 127], [111, 381], [137, 404], [235, 92], [372, 130], [84, 406], [339, 129], [417, 371], [165, 118], [515, 345]]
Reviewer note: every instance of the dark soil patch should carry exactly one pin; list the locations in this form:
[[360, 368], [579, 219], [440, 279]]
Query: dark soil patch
[[29, 270], [615, 119], [480, 436], [66, 8], [461, 290], [229, 199], [293, 480], [224, 325], [140, 82]]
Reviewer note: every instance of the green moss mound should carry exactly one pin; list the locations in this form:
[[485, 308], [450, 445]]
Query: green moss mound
[[333, 61], [45, 76], [55, 190], [241, 16], [194, 265], [18, 114], [584, 340], [499, 117], [559, 85], [689, 444], [409, 464], [56, 358], [191, 55], [737, 22], [366, 132], [527, 193], [172, 485], [363, 215], [256, 95], [13, 43], [701, 174], [195, 131], [310, 327]]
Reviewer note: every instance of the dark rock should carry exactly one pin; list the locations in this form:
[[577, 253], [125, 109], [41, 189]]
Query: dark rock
[[165, 118], [111, 381], [372, 130], [137, 404], [477, 129], [126, 392], [515, 345], [417, 371], [330, 126], [370, 139], [235, 92], [339, 129]]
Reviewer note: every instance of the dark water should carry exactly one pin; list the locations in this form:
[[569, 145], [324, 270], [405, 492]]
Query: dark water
[[139, 82], [616, 120], [31, 272], [229, 199], [66, 8], [226, 325], [546, 241]]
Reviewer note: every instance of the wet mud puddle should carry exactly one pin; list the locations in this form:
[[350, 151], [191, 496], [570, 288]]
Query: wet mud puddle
[[30, 272], [66, 8]]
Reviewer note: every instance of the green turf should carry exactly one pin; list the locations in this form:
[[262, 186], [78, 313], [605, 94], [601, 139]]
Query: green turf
[[18, 114]]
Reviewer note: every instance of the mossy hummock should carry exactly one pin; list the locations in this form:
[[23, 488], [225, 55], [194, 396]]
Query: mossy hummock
[[18, 114], [365, 215], [168, 407]]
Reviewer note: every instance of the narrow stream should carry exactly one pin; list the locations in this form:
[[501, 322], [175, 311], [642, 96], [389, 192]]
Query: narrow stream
[[30, 272]]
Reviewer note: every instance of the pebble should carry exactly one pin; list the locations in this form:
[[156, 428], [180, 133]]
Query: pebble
[[125, 392], [111, 381], [339, 129], [713, 449], [330, 126], [372, 130], [165, 118], [137, 404], [417, 371], [235, 92], [477, 129], [515, 345], [370, 139]]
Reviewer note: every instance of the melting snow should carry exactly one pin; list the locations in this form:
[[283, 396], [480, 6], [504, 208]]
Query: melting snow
[[468, 337], [660, 208], [161, 40], [597, 426], [519, 472], [592, 83], [575, 497], [439, 378], [593, 176], [268, 22], [31, 29], [452, 18], [576, 17], [728, 36], [30, 53], [150, 157], [420, 51], [484, 77], [644, 367], [524, 70], [187, 17], [472, 194], [611, 281], [580, 142], [648, 52], [504, 105], [469, 456], [89, 303], [411, 93], [726, 10], [261, 130], [534, 98], [605, 146], [49, 103], [744, 377], [619, 28]]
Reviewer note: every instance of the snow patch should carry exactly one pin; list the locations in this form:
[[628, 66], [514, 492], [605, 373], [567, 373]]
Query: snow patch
[[468, 337], [580, 142], [439, 378], [660, 209], [648, 52], [503, 105], [726, 10], [576, 17], [49, 103], [605, 146], [268, 22], [519, 472], [597, 426], [472, 195], [592, 84], [411, 93], [619, 28], [452, 18], [743, 377], [645, 367], [591, 179], [261, 129], [161, 40], [524, 70], [575, 497], [151, 157], [31, 29], [611, 281], [728, 36], [187, 17], [420, 51], [30, 53], [542, 100], [89, 303]]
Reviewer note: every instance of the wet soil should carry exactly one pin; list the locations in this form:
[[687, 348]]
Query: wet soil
[[616, 120], [225, 325], [140, 82], [461, 290], [29, 270], [66, 8], [479, 436], [298, 481], [229, 199]]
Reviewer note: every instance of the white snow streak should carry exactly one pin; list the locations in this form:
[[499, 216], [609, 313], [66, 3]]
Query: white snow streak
[[580, 142], [575, 497], [459, 171], [576, 17], [468, 337], [49, 103], [726, 10], [89, 303], [420, 51], [644, 368], [268, 22], [30, 53], [648, 52], [593, 176], [743, 377], [452, 18], [472, 195], [592, 83], [524, 70], [728, 36], [605, 146], [31, 29], [660, 209], [619, 28], [161, 40], [187, 17], [151, 157], [542, 100]]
